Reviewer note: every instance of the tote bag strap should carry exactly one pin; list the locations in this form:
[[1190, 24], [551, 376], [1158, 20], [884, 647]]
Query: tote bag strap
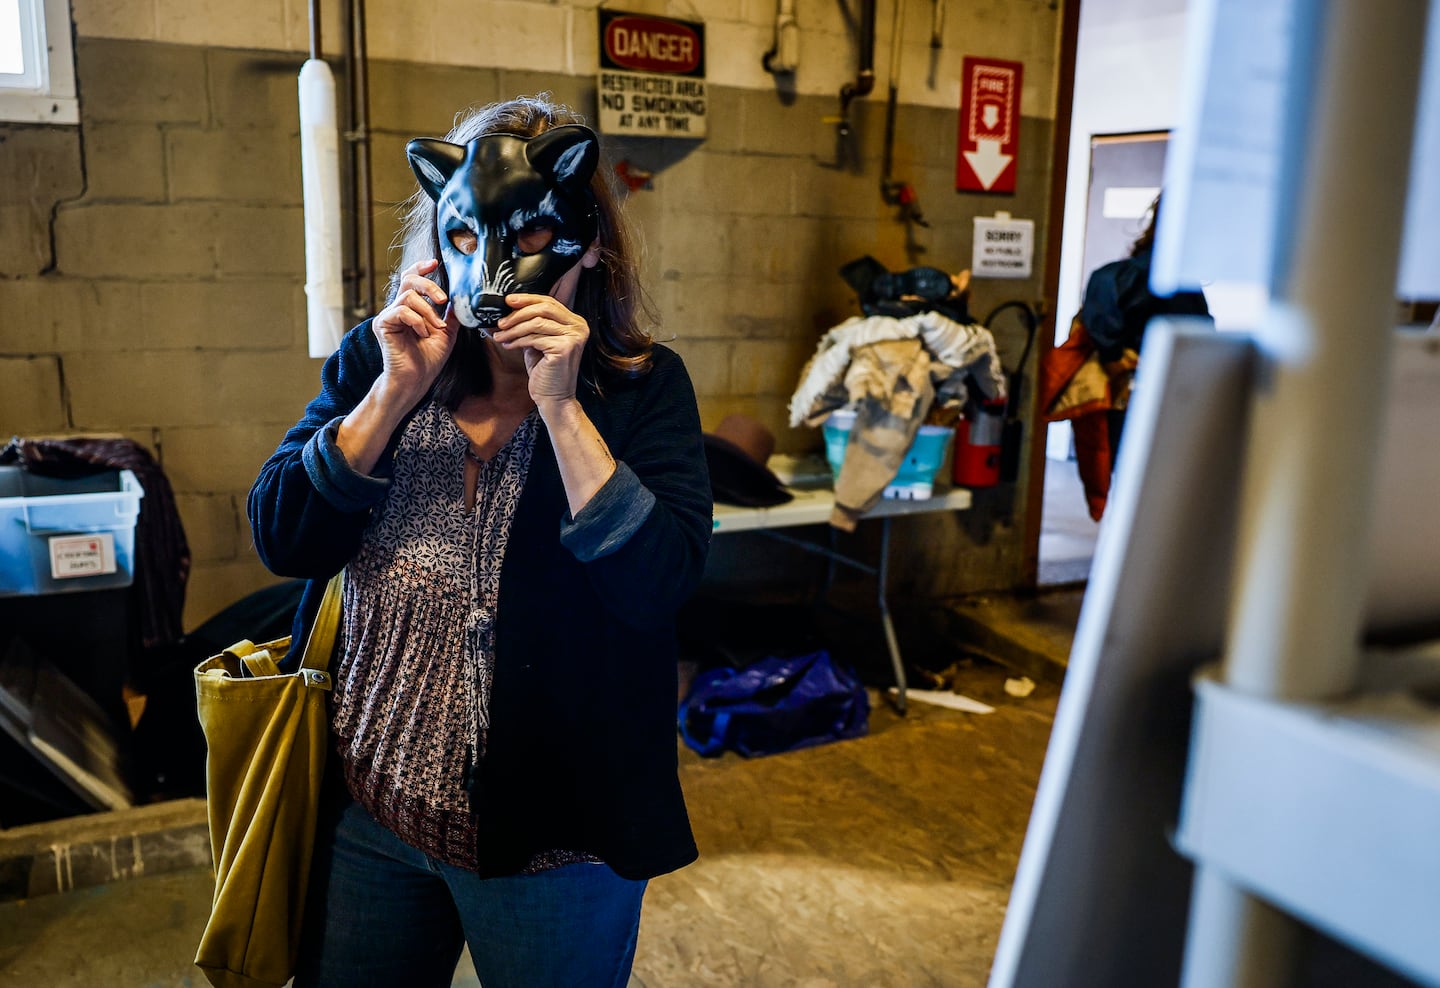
[[327, 625]]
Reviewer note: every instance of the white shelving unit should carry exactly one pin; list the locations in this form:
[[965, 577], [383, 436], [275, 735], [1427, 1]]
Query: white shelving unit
[[1328, 811], [1278, 498], [1298, 596]]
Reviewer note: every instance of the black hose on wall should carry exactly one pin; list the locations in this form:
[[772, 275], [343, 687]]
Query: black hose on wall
[[865, 79]]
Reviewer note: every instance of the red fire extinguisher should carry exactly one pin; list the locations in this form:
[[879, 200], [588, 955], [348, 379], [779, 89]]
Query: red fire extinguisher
[[978, 438]]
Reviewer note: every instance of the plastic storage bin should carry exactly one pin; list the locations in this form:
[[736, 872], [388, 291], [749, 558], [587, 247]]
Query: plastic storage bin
[[916, 478], [67, 535]]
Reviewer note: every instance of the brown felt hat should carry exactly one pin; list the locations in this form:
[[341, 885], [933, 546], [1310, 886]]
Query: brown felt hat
[[736, 453]]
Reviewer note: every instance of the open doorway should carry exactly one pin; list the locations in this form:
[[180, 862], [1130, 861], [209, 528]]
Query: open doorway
[[1125, 172], [1125, 77]]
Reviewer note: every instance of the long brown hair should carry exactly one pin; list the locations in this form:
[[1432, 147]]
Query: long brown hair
[[1146, 240], [609, 295]]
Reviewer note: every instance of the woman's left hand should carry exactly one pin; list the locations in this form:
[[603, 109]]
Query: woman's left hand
[[552, 339]]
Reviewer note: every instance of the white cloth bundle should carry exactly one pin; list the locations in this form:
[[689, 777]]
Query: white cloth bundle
[[964, 347]]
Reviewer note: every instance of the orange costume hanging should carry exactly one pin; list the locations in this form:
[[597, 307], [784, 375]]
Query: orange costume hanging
[[1075, 387]]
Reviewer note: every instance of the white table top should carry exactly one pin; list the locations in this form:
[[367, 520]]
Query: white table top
[[813, 507]]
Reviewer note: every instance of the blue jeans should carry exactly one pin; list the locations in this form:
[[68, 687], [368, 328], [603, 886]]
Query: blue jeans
[[382, 913]]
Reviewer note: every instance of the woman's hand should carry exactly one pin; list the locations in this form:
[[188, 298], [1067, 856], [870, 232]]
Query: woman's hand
[[415, 340], [552, 339]]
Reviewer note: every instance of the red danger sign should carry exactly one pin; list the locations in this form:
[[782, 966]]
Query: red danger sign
[[651, 81], [989, 125], [652, 44]]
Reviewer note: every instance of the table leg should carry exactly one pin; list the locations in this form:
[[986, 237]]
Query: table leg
[[891, 642], [881, 574], [830, 562]]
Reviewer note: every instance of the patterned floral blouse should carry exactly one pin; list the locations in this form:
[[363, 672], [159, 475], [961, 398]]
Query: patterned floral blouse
[[409, 710]]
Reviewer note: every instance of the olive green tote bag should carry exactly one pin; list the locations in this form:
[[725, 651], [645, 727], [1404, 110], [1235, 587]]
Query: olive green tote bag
[[266, 734]]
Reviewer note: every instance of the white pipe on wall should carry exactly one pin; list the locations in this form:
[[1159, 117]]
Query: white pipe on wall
[[320, 173], [785, 56]]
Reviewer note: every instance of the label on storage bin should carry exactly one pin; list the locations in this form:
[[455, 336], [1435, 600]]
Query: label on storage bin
[[82, 555]]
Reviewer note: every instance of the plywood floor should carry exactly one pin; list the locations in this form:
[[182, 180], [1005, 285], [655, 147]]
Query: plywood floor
[[884, 860], [881, 861]]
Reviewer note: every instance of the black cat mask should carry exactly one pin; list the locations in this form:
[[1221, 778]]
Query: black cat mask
[[513, 213]]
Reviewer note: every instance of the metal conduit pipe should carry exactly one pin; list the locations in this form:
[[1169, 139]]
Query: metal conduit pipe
[[314, 28], [897, 31], [865, 79], [361, 262], [897, 193]]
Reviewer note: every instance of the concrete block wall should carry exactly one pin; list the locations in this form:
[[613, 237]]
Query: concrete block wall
[[151, 260], [151, 284]]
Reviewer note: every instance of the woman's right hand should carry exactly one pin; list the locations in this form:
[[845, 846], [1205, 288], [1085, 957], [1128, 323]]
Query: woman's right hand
[[415, 340]]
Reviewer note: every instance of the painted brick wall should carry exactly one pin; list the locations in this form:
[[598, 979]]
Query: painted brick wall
[[560, 38], [151, 260]]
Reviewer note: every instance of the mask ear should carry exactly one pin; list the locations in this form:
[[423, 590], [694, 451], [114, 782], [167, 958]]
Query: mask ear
[[567, 156], [433, 162]]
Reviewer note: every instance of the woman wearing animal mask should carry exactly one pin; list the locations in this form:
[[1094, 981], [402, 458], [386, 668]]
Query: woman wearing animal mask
[[511, 474]]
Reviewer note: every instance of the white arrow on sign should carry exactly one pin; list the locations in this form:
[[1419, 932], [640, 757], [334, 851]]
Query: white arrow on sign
[[990, 116], [987, 161]]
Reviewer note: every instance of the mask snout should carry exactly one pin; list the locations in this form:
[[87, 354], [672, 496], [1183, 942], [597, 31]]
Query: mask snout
[[488, 309]]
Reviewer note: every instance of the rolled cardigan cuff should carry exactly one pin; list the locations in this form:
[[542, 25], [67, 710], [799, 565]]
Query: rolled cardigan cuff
[[336, 481], [606, 523]]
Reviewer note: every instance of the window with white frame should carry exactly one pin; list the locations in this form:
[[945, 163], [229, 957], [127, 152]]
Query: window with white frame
[[37, 65]]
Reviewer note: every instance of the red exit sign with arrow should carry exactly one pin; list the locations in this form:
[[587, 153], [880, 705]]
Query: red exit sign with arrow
[[989, 125]]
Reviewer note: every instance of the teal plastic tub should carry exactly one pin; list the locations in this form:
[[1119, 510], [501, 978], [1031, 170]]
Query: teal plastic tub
[[916, 478], [62, 536]]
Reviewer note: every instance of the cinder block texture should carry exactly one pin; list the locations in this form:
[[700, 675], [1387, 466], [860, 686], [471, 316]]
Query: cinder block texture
[[39, 164], [764, 367], [227, 457], [24, 239], [414, 99], [199, 22], [124, 161], [254, 89], [708, 362], [113, 19], [260, 165], [31, 397], [529, 34], [90, 313], [213, 526], [135, 241], [120, 80], [215, 586], [173, 302], [29, 324], [244, 314], [187, 388], [562, 38], [86, 851], [260, 240]]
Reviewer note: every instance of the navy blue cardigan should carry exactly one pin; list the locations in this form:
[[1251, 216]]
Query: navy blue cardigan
[[581, 748]]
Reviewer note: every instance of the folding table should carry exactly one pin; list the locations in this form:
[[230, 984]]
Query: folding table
[[813, 507]]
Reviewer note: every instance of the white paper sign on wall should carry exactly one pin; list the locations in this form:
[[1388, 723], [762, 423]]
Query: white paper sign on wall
[[1004, 248]]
